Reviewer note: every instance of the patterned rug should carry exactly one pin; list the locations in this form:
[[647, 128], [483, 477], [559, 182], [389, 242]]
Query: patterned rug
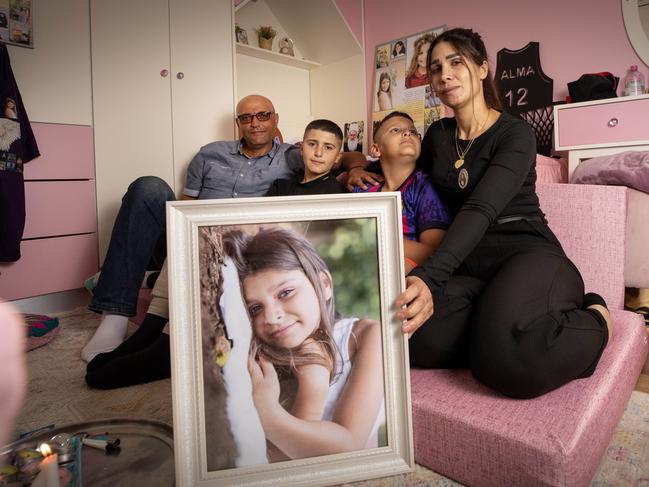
[[58, 395]]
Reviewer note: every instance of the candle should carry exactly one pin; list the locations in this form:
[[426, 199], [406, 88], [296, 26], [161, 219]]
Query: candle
[[49, 469]]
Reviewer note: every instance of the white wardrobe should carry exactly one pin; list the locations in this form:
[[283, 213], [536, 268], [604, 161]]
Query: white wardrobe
[[163, 86]]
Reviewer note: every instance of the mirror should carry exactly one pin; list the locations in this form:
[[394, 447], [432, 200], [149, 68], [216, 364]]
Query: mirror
[[636, 21]]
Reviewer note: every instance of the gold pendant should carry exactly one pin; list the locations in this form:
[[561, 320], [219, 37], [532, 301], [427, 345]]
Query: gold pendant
[[459, 163]]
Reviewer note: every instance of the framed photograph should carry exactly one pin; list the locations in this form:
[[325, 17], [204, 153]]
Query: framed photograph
[[288, 367], [242, 36]]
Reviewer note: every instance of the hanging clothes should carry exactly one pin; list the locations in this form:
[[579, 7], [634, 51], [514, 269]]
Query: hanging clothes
[[17, 147]]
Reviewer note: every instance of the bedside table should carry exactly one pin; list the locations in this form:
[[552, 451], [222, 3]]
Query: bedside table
[[601, 128]]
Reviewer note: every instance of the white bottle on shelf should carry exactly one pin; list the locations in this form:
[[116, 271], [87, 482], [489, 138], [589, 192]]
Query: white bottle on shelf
[[634, 82]]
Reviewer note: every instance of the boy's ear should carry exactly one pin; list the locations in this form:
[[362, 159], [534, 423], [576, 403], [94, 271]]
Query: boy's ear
[[375, 151], [327, 285], [338, 158]]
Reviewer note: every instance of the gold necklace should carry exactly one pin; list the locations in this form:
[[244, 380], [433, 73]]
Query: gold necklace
[[461, 153]]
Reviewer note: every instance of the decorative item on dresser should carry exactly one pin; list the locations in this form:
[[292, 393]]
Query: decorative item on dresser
[[601, 128], [59, 246]]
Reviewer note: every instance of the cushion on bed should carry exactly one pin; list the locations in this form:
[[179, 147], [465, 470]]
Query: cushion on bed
[[629, 168]]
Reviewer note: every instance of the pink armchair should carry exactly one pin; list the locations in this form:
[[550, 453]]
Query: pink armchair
[[469, 433]]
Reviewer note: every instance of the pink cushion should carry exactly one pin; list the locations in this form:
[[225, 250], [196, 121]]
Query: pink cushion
[[467, 432], [636, 272], [590, 221], [551, 170]]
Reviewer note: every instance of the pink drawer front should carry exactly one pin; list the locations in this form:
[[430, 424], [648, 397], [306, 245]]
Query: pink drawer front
[[67, 152], [57, 208], [621, 122], [49, 265]]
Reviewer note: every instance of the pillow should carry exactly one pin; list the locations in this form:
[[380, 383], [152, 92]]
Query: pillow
[[629, 168], [551, 170]]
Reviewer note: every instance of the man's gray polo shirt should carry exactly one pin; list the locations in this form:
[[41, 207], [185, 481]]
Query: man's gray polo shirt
[[221, 170]]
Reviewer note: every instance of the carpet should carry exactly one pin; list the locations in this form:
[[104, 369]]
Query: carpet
[[57, 394]]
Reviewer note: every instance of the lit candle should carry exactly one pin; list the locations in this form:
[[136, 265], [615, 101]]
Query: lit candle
[[49, 469]]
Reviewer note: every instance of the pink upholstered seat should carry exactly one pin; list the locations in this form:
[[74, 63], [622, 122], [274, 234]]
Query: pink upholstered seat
[[467, 432]]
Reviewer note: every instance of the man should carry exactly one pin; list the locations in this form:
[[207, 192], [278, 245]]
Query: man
[[223, 169]]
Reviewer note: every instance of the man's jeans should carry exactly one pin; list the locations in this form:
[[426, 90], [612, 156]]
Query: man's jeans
[[139, 235]]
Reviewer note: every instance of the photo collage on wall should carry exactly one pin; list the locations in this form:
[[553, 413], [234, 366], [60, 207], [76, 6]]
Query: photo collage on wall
[[401, 80], [16, 21]]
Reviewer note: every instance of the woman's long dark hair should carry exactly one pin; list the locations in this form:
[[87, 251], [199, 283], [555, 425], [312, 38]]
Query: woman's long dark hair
[[469, 45]]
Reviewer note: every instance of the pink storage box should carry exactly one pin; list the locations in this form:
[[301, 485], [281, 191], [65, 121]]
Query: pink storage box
[[470, 433]]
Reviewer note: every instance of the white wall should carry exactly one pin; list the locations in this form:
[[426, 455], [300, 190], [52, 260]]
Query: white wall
[[54, 77], [338, 91], [287, 87]]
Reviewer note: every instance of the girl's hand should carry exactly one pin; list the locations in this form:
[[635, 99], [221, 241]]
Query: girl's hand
[[359, 177], [265, 384], [415, 305]]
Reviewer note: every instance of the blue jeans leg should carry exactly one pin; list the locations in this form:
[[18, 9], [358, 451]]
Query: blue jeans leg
[[139, 229]]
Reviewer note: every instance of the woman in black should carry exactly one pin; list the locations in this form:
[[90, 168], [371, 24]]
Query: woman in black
[[507, 301]]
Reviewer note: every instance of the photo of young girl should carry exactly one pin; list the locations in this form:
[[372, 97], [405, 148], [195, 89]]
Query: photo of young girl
[[317, 376], [384, 93], [398, 49], [417, 74]]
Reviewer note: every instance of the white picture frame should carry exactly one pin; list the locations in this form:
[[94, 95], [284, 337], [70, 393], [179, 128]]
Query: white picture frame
[[188, 225]]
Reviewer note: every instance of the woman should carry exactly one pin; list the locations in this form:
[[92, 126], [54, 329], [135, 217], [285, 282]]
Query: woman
[[417, 75], [507, 301]]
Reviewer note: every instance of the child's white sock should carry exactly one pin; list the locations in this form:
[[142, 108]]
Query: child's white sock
[[110, 333]]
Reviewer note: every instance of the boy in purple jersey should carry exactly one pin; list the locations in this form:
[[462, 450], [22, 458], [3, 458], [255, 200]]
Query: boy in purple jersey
[[425, 218]]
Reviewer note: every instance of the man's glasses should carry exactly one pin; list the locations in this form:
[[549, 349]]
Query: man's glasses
[[246, 118]]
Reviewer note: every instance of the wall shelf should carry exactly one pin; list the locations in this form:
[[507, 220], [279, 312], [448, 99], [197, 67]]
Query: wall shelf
[[275, 57]]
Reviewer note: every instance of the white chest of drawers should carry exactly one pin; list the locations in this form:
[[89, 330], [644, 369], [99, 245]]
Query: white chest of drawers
[[601, 128]]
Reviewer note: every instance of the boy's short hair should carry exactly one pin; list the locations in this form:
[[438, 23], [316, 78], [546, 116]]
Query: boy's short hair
[[326, 126], [390, 115]]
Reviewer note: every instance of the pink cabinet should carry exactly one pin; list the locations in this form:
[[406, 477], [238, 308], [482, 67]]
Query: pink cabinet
[[59, 247], [601, 127]]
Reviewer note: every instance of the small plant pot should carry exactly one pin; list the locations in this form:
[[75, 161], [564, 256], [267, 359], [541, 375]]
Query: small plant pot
[[266, 43]]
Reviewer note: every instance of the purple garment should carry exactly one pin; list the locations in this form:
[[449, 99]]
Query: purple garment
[[17, 147], [422, 209], [629, 168]]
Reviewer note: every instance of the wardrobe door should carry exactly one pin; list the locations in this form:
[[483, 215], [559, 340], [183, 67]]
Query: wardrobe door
[[202, 77], [131, 76]]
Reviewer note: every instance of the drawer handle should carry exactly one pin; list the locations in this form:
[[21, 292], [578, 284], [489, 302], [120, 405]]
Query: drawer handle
[[613, 122]]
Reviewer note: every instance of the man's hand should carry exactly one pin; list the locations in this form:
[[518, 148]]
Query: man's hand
[[415, 305], [359, 177]]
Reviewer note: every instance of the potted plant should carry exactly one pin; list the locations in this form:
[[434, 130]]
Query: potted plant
[[265, 36]]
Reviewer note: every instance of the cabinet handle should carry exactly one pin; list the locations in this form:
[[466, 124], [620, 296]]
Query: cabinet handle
[[612, 122], [180, 75], [164, 73]]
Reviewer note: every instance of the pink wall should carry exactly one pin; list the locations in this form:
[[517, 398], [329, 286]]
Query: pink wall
[[353, 12], [576, 36]]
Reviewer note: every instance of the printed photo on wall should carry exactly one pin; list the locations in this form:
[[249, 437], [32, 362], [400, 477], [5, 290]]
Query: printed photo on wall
[[16, 22], [354, 134], [403, 83], [288, 364]]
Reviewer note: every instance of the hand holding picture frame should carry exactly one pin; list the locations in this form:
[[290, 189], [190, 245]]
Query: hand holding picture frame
[[240, 420]]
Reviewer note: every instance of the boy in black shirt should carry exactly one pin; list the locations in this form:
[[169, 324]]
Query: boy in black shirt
[[320, 150]]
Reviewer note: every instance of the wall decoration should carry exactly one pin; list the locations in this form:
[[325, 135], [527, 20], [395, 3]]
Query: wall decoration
[[401, 80], [16, 22], [242, 35], [526, 91], [354, 136]]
